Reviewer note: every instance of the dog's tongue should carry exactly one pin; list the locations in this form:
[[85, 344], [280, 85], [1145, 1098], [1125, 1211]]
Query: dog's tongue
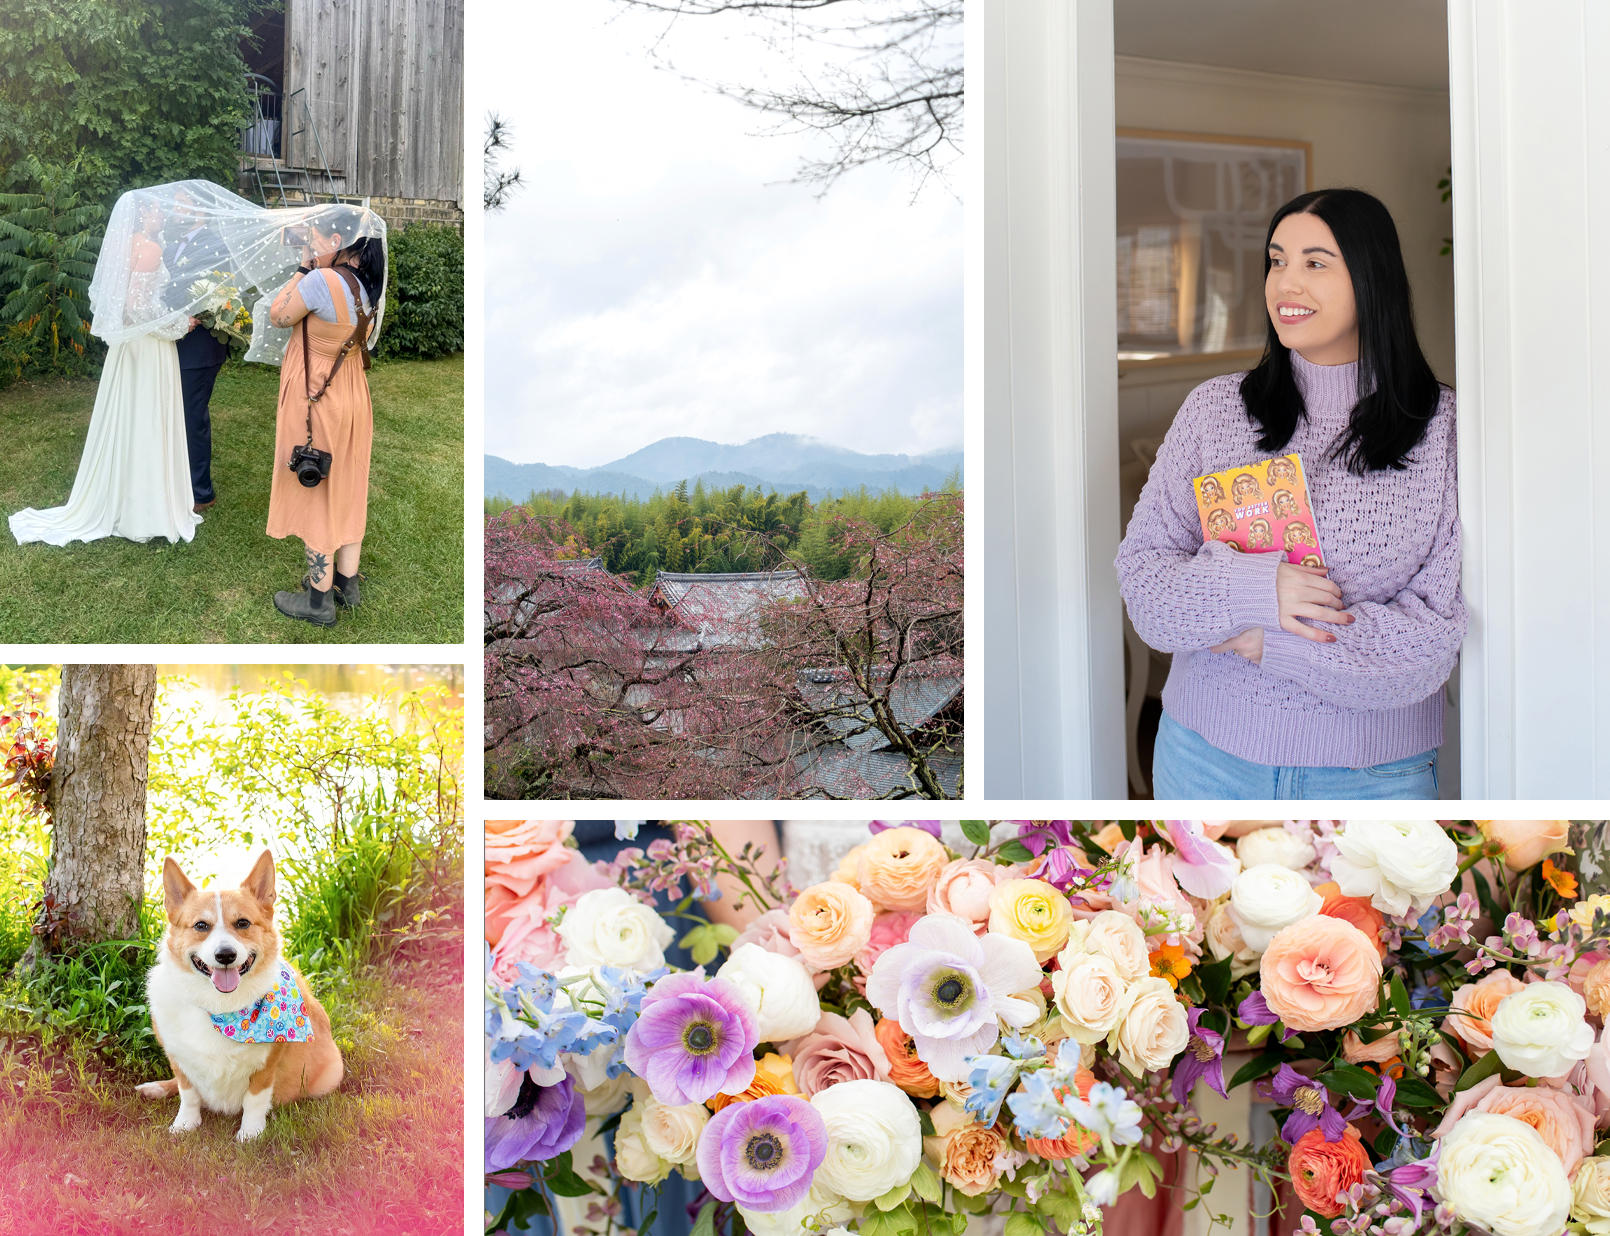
[[226, 980]]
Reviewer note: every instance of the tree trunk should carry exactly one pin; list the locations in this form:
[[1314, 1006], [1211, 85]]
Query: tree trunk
[[97, 807]]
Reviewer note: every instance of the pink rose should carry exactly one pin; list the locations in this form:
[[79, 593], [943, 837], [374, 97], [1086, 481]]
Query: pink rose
[[963, 889], [1320, 973], [770, 931], [1356, 1051], [1473, 1005], [838, 1050], [888, 930], [1563, 1120], [521, 852]]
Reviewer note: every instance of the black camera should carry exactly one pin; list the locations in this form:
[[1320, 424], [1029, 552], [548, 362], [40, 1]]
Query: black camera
[[310, 464]]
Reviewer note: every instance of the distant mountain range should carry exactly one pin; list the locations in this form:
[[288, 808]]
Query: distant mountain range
[[786, 462]]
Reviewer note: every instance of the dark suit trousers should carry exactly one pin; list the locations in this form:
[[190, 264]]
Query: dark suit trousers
[[198, 384]]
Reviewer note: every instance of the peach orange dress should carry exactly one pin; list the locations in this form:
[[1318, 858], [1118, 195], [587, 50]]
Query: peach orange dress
[[333, 512]]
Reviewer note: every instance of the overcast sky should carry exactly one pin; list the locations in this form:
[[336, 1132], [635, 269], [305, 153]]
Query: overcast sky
[[655, 277]]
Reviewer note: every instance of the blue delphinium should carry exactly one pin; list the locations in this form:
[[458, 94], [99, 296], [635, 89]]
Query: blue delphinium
[[1036, 1110], [990, 1077]]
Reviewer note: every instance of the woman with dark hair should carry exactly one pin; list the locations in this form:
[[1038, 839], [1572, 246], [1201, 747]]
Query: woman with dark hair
[[1292, 681], [324, 401]]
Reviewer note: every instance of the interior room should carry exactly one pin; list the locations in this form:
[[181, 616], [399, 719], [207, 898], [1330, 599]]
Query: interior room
[[1223, 113]]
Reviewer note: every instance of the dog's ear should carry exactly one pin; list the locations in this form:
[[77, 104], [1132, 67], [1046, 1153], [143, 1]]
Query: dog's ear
[[259, 882], [176, 886]]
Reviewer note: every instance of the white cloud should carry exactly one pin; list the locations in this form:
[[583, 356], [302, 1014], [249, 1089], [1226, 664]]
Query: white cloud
[[655, 278]]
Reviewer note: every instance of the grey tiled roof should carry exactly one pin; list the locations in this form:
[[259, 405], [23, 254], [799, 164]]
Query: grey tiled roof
[[722, 606]]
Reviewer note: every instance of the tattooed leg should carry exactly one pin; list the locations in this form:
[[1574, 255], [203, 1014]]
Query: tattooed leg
[[318, 570]]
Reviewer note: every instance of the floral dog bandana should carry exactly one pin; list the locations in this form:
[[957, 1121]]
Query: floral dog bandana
[[278, 1017]]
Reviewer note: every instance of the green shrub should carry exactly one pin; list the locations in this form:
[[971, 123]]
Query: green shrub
[[142, 91], [48, 243], [424, 293]]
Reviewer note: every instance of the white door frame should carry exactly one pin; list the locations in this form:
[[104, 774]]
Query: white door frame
[[1054, 705], [1530, 114]]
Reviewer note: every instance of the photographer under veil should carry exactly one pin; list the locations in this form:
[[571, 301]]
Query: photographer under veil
[[325, 428], [134, 475]]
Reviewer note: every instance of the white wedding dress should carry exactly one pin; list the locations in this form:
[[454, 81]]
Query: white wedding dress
[[134, 476]]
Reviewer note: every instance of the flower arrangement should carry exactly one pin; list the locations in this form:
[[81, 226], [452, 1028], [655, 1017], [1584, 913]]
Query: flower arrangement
[[1021, 1025], [221, 307]]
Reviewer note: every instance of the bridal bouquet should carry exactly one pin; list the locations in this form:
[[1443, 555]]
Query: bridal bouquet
[[1020, 1025], [222, 307]]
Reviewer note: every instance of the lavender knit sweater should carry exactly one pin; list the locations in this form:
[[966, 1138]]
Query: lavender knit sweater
[[1391, 540]]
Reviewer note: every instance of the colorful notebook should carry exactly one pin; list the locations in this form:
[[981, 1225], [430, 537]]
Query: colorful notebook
[[1261, 508]]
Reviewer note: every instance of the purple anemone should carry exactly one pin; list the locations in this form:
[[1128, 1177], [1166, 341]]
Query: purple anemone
[[694, 1038], [544, 1122], [1203, 1057], [763, 1154]]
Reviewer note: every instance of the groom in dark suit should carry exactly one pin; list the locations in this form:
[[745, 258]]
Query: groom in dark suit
[[193, 251]]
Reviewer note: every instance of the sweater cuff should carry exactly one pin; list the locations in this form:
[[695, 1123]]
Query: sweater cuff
[[1283, 653], [1253, 601]]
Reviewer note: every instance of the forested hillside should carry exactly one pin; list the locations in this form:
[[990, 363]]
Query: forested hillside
[[737, 529]]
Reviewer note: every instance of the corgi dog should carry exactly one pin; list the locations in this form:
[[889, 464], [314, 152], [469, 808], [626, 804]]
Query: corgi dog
[[239, 1024]]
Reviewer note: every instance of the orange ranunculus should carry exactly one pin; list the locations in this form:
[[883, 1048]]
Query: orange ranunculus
[[1355, 910], [1321, 1170], [1171, 963], [1320, 973], [1472, 1008], [899, 866], [1075, 1141], [774, 1074], [905, 1069]]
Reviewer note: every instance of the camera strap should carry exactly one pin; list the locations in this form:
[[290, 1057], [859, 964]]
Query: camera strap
[[359, 334]]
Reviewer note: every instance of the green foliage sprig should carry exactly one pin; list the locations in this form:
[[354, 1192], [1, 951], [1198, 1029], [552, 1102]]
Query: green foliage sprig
[[49, 240], [424, 293]]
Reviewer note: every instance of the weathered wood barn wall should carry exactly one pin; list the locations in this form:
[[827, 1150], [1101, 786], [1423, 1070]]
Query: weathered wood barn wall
[[385, 81]]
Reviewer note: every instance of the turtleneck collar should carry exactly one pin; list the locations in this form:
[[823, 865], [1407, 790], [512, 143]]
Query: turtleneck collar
[[1326, 388]]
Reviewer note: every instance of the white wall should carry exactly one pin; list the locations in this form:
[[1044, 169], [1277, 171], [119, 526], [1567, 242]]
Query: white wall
[[1390, 140], [1531, 127]]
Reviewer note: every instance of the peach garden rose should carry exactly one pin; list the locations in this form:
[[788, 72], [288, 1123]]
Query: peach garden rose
[[965, 1150], [963, 889], [1320, 973], [1527, 842]]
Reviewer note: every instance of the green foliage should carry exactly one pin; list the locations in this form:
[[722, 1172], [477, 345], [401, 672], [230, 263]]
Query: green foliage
[[706, 941], [48, 243], [140, 91], [424, 293], [700, 530]]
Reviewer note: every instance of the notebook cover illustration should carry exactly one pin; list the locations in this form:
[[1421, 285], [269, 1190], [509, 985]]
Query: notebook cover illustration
[[1261, 508]]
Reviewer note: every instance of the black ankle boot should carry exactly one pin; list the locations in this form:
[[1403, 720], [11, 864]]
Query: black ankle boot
[[310, 605], [346, 590]]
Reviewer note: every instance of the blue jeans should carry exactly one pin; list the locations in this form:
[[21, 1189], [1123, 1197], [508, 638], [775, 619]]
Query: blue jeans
[[1185, 766]]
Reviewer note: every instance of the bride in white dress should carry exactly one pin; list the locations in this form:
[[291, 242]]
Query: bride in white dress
[[134, 476]]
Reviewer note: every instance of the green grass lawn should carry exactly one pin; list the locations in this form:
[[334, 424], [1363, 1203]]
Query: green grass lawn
[[219, 588], [81, 1153]]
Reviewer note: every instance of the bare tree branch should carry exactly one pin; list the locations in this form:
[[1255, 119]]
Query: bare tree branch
[[898, 100]]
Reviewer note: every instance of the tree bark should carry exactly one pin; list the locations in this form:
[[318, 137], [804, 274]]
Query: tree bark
[[97, 807]]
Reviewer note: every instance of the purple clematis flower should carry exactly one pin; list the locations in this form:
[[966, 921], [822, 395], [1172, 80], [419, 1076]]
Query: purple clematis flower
[[1203, 1057], [1255, 1011], [1310, 1106], [694, 1038], [763, 1154], [878, 826], [1203, 867], [1411, 1182], [544, 1122], [1037, 834]]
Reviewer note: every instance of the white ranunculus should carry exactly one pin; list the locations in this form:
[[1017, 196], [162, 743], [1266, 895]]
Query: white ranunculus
[[1223, 938], [610, 927], [874, 1138], [1274, 845], [819, 1211], [777, 989], [1090, 995], [672, 1132], [1395, 863], [1267, 898], [1499, 1174], [1542, 1030], [632, 1154]]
